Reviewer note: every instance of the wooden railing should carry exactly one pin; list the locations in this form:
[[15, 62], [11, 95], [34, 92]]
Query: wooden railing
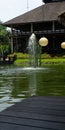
[[39, 32]]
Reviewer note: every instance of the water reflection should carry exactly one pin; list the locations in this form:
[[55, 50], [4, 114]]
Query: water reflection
[[11, 86], [17, 83], [32, 84]]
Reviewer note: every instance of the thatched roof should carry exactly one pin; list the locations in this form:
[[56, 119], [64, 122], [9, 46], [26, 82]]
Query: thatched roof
[[49, 1], [46, 12]]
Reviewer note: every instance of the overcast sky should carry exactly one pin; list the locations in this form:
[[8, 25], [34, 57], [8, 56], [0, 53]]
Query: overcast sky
[[12, 8]]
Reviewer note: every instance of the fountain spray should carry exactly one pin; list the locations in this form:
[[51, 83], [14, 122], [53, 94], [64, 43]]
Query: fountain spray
[[33, 49]]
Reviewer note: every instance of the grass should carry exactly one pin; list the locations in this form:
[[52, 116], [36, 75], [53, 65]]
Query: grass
[[53, 61], [22, 62], [25, 62], [22, 59]]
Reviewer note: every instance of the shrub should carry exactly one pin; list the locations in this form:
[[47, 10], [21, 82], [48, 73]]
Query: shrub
[[45, 56], [63, 56], [55, 57], [19, 55], [22, 55], [12, 55]]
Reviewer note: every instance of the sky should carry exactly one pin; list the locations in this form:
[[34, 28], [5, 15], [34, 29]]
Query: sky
[[13, 8]]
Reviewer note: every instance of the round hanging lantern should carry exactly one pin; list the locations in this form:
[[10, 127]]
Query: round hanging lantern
[[43, 41], [63, 45]]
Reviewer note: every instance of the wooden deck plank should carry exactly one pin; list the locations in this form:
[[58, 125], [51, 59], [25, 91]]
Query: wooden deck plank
[[35, 113], [34, 116], [18, 127], [32, 123]]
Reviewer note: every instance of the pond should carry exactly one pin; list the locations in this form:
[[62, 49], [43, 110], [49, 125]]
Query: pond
[[17, 83]]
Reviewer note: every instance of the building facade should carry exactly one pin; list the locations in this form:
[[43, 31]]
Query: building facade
[[45, 21]]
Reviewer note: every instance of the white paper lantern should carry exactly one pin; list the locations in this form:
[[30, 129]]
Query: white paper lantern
[[43, 41], [63, 45]]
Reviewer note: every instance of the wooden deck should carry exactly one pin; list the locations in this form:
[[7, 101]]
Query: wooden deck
[[35, 113]]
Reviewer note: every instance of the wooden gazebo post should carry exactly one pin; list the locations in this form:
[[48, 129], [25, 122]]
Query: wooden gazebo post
[[12, 48], [53, 29], [53, 26], [31, 27]]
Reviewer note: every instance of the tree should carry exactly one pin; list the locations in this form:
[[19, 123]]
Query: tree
[[4, 34], [4, 40], [4, 49]]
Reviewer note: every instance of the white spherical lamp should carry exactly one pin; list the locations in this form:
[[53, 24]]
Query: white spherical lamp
[[63, 45], [43, 41]]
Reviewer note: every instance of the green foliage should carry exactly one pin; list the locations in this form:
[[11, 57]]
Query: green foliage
[[22, 62], [63, 56], [53, 61], [4, 35], [45, 56], [22, 59], [55, 57], [4, 49], [4, 40], [12, 55], [22, 56], [19, 55]]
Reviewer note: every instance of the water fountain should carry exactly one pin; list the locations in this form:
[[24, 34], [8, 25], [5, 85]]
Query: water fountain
[[34, 50]]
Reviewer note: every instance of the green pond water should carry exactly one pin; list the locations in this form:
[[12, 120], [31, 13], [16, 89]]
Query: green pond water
[[17, 83]]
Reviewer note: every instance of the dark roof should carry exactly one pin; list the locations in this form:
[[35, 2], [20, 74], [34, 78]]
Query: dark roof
[[46, 12], [48, 1]]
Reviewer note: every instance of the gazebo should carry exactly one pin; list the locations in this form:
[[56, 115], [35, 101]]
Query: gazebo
[[45, 20]]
